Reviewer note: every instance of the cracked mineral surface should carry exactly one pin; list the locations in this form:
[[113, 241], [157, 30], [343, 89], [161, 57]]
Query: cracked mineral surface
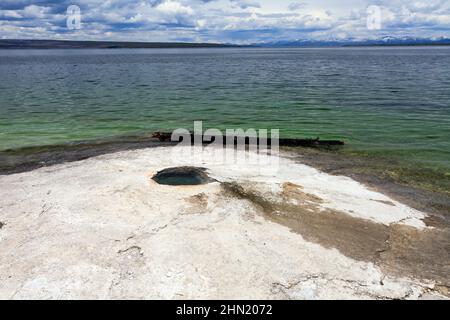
[[102, 228]]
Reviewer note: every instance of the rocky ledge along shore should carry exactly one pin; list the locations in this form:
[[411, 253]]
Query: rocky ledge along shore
[[123, 226]]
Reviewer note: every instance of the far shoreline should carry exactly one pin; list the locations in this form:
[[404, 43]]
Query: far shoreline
[[49, 44], [14, 44]]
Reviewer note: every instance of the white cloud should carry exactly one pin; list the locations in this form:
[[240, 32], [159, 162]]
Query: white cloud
[[36, 12], [10, 14], [245, 4], [296, 6], [174, 8]]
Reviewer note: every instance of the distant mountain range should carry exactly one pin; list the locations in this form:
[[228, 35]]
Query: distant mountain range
[[385, 41], [66, 44]]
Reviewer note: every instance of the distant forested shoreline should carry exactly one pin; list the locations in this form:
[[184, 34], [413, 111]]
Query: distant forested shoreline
[[68, 44]]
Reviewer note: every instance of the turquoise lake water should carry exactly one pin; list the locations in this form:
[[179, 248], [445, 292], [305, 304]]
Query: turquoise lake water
[[393, 102]]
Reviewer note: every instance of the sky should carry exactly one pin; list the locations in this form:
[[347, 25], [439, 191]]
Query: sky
[[223, 21]]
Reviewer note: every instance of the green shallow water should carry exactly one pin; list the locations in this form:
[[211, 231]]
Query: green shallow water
[[392, 103]]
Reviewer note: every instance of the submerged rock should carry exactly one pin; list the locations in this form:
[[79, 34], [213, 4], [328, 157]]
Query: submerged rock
[[183, 176]]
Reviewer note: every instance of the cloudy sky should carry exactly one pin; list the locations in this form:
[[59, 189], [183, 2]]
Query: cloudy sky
[[230, 21]]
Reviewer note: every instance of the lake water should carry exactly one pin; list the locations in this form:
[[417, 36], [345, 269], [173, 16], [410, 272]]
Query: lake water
[[393, 102]]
